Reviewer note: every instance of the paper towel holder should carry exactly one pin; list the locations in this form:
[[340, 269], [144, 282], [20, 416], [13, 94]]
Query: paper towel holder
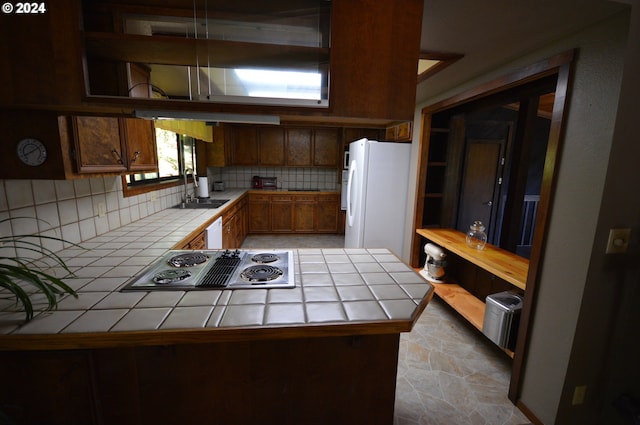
[[203, 188]]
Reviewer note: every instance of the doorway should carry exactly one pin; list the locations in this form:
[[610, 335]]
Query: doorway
[[524, 92]]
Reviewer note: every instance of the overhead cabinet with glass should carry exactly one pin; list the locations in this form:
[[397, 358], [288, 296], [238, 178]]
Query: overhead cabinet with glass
[[350, 59]]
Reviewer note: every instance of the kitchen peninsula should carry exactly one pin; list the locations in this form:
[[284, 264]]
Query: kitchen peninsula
[[323, 352]]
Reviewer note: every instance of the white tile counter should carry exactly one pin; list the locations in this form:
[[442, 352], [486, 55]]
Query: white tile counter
[[335, 288]]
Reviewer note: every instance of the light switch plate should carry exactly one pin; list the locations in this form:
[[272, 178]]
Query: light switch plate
[[618, 241]]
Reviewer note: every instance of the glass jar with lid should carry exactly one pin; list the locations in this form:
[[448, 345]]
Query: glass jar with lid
[[476, 236]]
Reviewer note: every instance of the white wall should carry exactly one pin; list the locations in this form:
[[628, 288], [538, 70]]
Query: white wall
[[573, 226]]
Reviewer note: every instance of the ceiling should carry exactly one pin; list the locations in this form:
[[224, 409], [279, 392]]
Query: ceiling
[[490, 33]]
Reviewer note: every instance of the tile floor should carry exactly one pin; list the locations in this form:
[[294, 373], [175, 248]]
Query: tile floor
[[448, 373]]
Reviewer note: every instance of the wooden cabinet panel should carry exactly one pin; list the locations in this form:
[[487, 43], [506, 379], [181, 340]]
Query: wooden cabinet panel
[[299, 142], [197, 242], [259, 214], [68, 372], [141, 144], [282, 213], [305, 214], [327, 211], [244, 146], [98, 144], [326, 147], [386, 44], [272, 144]]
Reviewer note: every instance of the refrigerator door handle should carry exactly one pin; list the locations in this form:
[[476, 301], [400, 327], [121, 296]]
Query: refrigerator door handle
[[350, 194]]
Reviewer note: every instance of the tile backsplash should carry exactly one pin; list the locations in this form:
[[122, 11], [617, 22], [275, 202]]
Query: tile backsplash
[[288, 177], [74, 210], [80, 209]]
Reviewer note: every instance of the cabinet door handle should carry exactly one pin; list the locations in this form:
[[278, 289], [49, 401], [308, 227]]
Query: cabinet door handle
[[136, 154], [489, 203], [117, 156]]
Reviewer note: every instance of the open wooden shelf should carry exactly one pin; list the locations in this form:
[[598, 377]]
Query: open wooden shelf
[[503, 264]]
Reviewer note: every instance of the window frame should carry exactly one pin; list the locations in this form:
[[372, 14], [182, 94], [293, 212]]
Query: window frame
[[159, 183]]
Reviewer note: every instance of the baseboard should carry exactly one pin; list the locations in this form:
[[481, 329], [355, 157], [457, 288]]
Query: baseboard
[[528, 413]]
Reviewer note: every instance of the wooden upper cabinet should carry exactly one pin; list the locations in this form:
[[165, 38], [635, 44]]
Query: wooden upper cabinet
[[375, 46], [272, 142], [244, 145], [141, 144], [98, 144], [299, 142], [326, 147]]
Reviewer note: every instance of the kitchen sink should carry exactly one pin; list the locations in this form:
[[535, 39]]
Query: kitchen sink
[[204, 203]]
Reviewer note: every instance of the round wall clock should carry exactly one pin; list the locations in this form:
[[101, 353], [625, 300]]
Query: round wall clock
[[32, 151]]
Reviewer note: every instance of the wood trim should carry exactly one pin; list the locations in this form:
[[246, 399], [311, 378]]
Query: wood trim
[[145, 188], [551, 166], [528, 413], [445, 59], [520, 77], [562, 66]]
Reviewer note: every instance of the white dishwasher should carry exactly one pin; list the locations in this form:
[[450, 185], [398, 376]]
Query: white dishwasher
[[213, 234]]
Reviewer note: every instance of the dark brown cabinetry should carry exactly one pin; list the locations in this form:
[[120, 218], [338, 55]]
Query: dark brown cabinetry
[[326, 147], [300, 213], [304, 211], [282, 213], [234, 225], [272, 146], [284, 146], [141, 147], [386, 45], [259, 211], [197, 242], [98, 145], [299, 147], [243, 146], [110, 144], [327, 213]]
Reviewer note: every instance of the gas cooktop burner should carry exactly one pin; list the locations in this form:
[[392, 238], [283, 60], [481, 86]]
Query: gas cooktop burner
[[171, 276], [265, 257], [188, 260], [260, 273]]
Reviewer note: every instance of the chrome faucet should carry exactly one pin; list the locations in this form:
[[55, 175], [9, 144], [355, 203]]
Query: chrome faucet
[[187, 198]]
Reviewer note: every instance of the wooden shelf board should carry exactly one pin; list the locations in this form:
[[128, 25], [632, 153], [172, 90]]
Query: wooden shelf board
[[503, 264], [463, 302], [187, 51]]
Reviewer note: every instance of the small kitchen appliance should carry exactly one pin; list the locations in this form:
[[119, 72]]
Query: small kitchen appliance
[[218, 186], [434, 266], [185, 270], [502, 317]]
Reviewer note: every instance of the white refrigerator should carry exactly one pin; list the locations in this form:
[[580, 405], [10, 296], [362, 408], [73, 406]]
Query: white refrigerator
[[377, 186]]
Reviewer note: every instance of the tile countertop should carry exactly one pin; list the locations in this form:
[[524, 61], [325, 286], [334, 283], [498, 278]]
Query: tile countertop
[[338, 291]]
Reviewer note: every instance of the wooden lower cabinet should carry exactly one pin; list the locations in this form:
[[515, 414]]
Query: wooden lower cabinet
[[305, 214], [301, 213], [259, 211], [234, 225], [327, 213], [197, 242], [282, 213], [281, 381]]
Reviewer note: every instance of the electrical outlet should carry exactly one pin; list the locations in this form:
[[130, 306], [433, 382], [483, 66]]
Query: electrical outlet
[[102, 209], [153, 197], [618, 241], [579, 393]]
